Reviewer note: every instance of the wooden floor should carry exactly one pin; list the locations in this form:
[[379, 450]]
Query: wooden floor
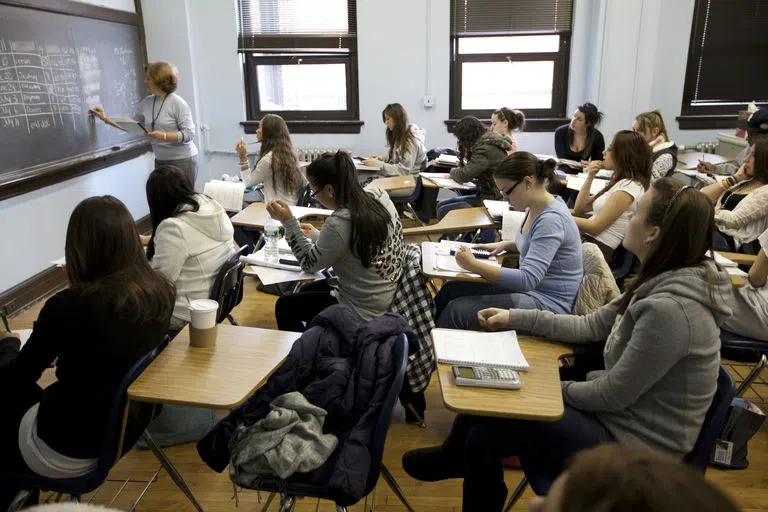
[[214, 491]]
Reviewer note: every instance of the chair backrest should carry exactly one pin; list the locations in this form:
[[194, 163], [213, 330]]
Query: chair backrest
[[400, 355], [227, 288], [111, 450], [713, 421], [621, 262], [414, 196], [304, 196]]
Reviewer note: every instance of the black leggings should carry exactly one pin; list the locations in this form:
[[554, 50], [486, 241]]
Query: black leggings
[[295, 311]]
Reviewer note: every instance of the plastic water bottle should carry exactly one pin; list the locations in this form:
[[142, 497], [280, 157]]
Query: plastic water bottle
[[271, 236]]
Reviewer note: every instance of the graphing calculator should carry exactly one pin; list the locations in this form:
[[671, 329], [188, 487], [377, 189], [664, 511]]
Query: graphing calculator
[[486, 377], [478, 253]]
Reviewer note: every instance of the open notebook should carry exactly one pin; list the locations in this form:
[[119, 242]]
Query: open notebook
[[494, 349]]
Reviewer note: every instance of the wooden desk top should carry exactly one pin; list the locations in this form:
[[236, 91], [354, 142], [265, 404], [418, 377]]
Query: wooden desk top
[[392, 183], [465, 219], [256, 216], [539, 399], [428, 250], [220, 377], [690, 160], [741, 259]]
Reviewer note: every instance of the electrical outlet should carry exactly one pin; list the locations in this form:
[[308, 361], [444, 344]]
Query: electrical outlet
[[429, 101]]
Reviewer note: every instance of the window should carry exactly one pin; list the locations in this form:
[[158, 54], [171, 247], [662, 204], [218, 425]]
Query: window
[[726, 62], [300, 62], [510, 53]]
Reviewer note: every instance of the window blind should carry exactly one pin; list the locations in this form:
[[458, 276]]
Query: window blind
[[496, 17], [296, 24], [729, 47]]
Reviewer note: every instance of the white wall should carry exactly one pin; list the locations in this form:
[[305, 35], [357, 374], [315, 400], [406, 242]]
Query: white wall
[[34, 225]]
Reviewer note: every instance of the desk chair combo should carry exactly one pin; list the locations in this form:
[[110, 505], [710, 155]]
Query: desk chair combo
[[123, 428], [227, 288]]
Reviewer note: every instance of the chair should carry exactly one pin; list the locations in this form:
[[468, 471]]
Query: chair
[[742, 348], [227, 289], [710, 429], [621, 263], [407, 200], [290, 490], [116, 443], [304, 197]]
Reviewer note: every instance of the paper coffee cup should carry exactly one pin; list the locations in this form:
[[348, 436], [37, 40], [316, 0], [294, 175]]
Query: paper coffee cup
[[203, 328]]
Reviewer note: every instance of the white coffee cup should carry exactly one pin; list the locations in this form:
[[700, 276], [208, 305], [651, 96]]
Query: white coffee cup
[[202, 313]]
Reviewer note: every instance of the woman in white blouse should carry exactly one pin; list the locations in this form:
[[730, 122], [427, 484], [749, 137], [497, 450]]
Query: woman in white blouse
[[278, 165], [629, 156]]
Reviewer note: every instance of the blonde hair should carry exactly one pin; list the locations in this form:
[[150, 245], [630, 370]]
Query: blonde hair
[[164, 75], [647, 121]]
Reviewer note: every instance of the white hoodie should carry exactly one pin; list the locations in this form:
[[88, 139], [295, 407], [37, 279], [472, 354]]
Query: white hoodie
[[190, 248]]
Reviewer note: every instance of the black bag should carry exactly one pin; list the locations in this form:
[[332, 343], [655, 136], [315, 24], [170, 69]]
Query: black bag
[[744, 420]]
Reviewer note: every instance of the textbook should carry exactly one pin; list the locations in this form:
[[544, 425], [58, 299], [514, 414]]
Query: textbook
[[573, 164], [471, 348], [129, 125]]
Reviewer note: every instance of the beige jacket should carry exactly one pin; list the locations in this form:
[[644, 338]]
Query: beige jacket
[[598, 287]]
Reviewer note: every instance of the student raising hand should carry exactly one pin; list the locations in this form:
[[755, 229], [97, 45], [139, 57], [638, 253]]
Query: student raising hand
[[493, 319]]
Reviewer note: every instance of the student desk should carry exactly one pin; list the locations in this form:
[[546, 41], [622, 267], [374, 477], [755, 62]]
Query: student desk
[[443, 180], [256, 216], [539, 399], [465, 219], [428, 253], [220, 377], [392, 183]]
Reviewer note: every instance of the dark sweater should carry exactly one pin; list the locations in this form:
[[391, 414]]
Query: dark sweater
[[95, 348], [563, 148]]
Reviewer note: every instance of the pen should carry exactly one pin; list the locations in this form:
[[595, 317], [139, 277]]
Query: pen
[[5, 322]]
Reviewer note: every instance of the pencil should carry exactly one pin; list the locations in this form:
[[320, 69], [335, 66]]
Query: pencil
[[5, 322]]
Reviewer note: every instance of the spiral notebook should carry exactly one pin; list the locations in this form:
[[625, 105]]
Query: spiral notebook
[[471, 348]]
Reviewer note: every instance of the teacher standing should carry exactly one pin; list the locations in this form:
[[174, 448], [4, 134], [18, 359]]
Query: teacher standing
[[167, 119]]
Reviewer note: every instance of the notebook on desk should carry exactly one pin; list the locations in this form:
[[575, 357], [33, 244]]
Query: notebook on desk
[[472, 348]]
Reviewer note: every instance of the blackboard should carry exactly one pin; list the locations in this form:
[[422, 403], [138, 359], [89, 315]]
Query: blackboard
[[53, 68]]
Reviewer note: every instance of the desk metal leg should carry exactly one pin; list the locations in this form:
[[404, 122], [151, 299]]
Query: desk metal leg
[[395, 488], [169, 467]]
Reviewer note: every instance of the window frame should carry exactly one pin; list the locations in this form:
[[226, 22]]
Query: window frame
[[703, 116], [537, 120], [310, 49]]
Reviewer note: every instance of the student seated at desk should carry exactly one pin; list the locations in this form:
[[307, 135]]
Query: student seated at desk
[[548, 240], [757, 127], [405, 144], [278, 165], [615, 478], [741, 200], [191, 238], [480, 151], [651, 126], [580, 140], [506, 122], [662, 358], [115, 310], [629, 156], [750, 302], [362, 241]]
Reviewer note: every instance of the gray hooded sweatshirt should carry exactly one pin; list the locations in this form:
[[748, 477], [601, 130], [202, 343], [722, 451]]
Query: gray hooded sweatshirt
[[662, 357]]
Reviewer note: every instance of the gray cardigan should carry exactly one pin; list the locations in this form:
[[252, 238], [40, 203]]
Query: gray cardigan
[[662, 357]]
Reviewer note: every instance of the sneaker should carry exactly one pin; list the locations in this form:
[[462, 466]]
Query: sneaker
[[432, 464]]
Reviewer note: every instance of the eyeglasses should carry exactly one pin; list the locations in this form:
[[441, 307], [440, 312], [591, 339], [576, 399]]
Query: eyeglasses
[[510, 189]]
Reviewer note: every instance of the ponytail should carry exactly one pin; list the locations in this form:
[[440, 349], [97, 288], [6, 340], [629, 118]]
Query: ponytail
[[520, 164]]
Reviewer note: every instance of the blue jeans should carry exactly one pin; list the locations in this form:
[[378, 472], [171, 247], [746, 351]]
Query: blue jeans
[[544, 447], [458, 302]]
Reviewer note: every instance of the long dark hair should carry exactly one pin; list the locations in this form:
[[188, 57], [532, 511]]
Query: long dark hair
[[520, 164], [401, 137], [687, 223], [104, 257], [467, 130], [276, 138], [515, 118], [760, 157], [369, 218], [592, 117], [634, 160], [168, 191]]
